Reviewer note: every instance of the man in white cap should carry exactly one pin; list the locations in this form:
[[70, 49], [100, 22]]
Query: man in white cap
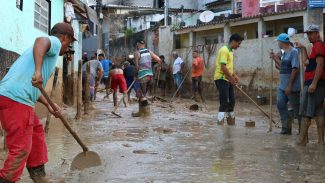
[[313, 93]]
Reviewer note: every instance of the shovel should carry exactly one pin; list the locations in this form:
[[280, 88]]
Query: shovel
[[119, 103], [266, 114], [85, 159]]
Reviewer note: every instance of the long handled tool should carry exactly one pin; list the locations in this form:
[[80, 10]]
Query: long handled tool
[[119, 103], [271, 95], [48, 117], [85, 159], [266, 114], [180, 85]]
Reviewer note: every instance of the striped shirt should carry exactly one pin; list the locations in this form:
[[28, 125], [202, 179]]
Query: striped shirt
[[145, 66]]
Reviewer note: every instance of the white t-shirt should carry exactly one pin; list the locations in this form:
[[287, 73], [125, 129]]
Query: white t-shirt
[[177, 65]]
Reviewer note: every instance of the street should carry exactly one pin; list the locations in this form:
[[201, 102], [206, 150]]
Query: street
[[176, 144]]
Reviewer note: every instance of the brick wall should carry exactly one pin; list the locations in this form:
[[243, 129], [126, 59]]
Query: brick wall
[[7, 58]]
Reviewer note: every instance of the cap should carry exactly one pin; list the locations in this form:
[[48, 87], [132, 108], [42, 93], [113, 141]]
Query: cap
[[141, 41], [283, 38], [126, 63], [64, 29], [312, 28], [131, 56]]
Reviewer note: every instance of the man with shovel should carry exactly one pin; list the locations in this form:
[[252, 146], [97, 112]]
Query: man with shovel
[[289, 87], [143, 72], [313, 93], [225, 79], [25, 137], [117, 81], [178, 68]]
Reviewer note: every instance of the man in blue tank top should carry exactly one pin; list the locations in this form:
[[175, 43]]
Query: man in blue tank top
[[19, 92], [143, 72]]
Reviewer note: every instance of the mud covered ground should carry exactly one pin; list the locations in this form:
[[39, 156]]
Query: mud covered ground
[[176, 144]]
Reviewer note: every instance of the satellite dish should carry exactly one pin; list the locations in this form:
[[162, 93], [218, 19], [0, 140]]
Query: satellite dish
[[206, 16]]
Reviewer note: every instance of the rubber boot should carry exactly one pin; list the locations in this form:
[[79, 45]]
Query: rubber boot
[[145, 108], [287, 129], [5, 181], [115, 99], [221, 118], [202, 98], [140, 112], [289, 125], [107, 94], [320, 120], [125, 99], [303, 136], [38, 175], [163, 92], [231, 118], [197, 97]]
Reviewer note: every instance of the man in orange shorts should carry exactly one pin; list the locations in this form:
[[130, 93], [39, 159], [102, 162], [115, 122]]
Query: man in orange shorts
[[117, 80]]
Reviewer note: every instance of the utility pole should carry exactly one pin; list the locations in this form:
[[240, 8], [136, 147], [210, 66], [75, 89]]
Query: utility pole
[[166, 12], [234, 6], [99, 8]]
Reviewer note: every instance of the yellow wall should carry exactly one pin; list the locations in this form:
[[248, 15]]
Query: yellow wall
[[251, 30], [279, 26], [185, 40]]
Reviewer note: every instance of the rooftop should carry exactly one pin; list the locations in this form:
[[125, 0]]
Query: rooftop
[[240, 18]]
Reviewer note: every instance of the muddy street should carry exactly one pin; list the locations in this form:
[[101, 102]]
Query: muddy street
[[176, 144]]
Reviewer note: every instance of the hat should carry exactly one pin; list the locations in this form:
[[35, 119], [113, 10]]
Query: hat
[[126, 63], [141, 41], [64, 29], [283, 38], [312, 28]]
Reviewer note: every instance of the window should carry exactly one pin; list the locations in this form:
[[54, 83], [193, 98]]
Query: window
[[42, 15], [19, 4]]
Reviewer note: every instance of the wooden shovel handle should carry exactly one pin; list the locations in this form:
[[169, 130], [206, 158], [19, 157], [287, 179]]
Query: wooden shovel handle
[[266, 114], [64, 121]]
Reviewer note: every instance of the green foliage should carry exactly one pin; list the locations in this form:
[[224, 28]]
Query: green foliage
[[129, 32]]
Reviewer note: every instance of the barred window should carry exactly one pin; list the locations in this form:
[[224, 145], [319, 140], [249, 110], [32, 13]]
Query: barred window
[[42, 15], [19, 4]]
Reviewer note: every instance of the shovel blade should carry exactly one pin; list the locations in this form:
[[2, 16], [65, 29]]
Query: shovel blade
[[85, 160]]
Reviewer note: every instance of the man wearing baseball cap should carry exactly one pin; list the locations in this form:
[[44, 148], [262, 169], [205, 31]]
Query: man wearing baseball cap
[[289, 87], [25, 137], [313, 93]]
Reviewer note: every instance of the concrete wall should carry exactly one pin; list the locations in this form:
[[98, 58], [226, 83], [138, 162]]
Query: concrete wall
[[166, 45], [252, 64], [17, 27], [122, 47]]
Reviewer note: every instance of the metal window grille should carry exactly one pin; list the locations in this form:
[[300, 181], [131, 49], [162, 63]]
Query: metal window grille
[[19, 4], [41, 15]]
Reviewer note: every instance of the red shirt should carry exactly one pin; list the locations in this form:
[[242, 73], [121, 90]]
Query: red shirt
[[317, 50], [197, 67]]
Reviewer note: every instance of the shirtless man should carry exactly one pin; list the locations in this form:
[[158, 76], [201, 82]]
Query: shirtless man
[[117, 80]]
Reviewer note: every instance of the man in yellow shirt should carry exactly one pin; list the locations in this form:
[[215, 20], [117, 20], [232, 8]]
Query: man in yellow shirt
[[225, 79]]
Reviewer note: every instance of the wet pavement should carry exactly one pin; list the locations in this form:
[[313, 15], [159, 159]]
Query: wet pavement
[[176, 144]]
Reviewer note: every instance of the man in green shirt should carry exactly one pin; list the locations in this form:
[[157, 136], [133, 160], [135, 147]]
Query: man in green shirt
[[225, 79]]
